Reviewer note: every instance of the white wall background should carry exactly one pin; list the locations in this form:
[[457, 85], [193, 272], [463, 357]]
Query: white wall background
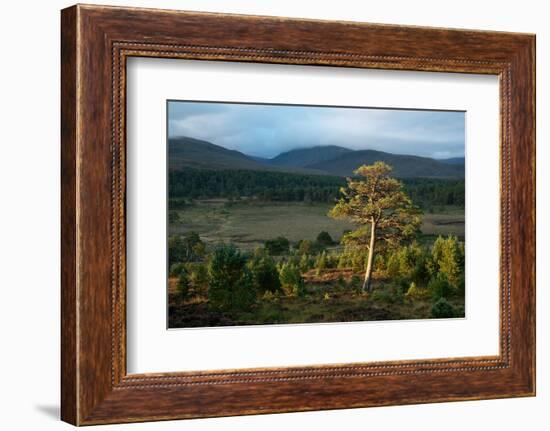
[[29, 215]]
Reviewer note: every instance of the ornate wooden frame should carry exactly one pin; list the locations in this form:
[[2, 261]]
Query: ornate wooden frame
[[96, 41]]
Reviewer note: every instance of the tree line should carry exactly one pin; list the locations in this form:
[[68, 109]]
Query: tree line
[[269, 186]]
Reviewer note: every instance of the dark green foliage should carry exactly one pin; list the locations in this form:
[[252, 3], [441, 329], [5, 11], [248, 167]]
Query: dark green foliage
[[186, 248], [179, 203], [176, 250], [176, 269], [198, 275], [427, 193], [443, 309], [264, 272], [277, 246], [291, 279], [440, 287], [324, 239], [387, 294], [230, 282], [193, 183], [355, 282], [305, 246], [461, 291], [262, 185], [173, 217], [459, 311], [183, 285]]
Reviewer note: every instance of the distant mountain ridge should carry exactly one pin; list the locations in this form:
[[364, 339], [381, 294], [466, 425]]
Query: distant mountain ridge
[[185, 152], [403, 166], [302, 157], [190, 152], [453, 161]]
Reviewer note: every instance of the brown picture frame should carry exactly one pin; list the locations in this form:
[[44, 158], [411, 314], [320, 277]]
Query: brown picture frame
[[95, 43]]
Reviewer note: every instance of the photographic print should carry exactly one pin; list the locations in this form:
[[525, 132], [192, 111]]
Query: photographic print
[[292, 214]]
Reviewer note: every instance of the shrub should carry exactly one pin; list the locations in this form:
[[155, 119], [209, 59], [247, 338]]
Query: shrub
[[382, 295], [292, 282], [277, 246], [403, 285], [198, 275], [462, 286], [442, 309], [321, 263], [379, 263], [352, 257], [439, 287], [183, 285], [388, 294], [324, 239], [415, 292], [306, 263], [304, 246], [176, 269], [448, 259], [270, 296], [187, 248], [264, 272], [409, 262], [176, 250], [331, 260], [230, 282], [355, 282]]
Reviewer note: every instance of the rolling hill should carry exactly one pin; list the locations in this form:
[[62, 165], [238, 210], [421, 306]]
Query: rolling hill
[[185, 152], [453, 161], [404, 166], [190, 152], [303, 157]]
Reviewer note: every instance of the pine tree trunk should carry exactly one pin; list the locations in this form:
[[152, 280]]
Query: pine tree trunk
[[367, 281]]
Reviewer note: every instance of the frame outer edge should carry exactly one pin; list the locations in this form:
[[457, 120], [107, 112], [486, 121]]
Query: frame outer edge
[[523, 216], [532, 82], [69, 202], [88, 397]]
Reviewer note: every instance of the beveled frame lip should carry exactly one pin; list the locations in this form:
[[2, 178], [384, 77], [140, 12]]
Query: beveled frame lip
[[96, 40]]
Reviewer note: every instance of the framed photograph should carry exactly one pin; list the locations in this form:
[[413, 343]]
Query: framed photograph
[[265, 215]]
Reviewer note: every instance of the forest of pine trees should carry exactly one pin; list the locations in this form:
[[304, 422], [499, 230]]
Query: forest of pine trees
[[191, 184]]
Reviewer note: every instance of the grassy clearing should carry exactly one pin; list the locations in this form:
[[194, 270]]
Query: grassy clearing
[[248, 224]]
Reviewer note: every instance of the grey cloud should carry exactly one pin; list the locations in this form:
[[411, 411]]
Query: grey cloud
[[268, 130]]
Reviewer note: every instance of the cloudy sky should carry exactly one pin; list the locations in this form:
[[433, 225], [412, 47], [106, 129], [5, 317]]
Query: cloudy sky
[[268, 130]]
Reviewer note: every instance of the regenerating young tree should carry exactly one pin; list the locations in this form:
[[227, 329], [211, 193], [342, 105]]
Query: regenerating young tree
[[378, 204], [230, 282]]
